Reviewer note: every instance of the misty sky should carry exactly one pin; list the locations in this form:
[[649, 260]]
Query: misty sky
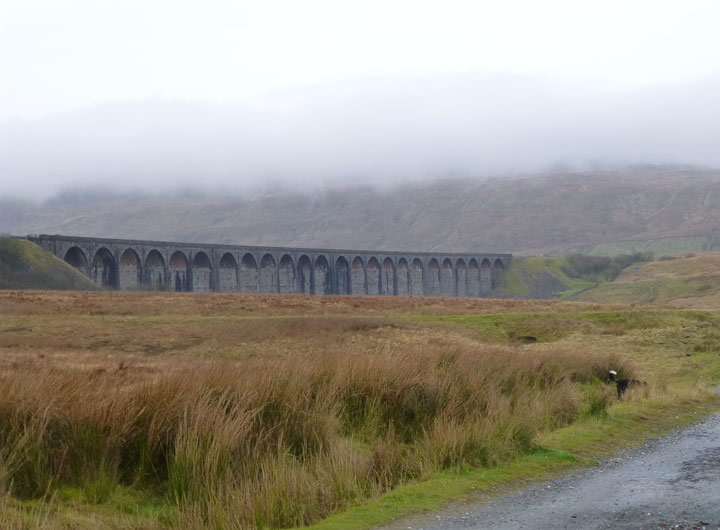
[[158, 94]]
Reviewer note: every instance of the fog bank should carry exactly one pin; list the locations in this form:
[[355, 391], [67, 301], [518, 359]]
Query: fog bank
[[375, 131]]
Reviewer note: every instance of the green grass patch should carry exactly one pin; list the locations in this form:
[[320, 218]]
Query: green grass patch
[[446, 486], [24, 265]]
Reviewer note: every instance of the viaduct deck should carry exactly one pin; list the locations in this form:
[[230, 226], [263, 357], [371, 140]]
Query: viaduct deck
[[156, 265]]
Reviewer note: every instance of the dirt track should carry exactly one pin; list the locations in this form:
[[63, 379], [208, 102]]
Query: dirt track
[[671, 482]]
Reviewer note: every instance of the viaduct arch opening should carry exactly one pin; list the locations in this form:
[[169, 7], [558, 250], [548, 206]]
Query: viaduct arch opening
[[155, 270], [268, 277], [130, 276], [357, 276], [322, 276], [473, 278], [433, 278], [447, 285], [342, 273], [287, 275], [485, 276], [403, 275], [388, 277], [104, 270], [202, 273], [460, 278], [373, 277], [228, 274], [248, 274], [304, 268], [76, 258], [179, 272], [415, 278]]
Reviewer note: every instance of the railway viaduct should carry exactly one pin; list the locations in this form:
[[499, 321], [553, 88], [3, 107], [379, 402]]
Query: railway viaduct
[[154, 265]]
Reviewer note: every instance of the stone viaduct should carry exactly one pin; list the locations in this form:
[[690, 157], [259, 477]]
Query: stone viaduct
[[153, 265]]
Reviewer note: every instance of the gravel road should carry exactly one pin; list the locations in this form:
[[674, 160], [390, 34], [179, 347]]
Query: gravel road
[[670, 482]]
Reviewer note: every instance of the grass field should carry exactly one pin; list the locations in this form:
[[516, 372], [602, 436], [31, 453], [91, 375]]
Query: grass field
[[149, 410]]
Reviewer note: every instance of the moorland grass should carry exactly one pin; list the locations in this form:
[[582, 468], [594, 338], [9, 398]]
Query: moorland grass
[[222, 413], [284, 443]]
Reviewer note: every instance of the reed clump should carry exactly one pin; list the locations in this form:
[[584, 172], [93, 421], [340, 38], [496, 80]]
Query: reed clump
[[244, 444]]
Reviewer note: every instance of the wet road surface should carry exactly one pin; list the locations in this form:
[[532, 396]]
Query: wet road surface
[[670, 482]]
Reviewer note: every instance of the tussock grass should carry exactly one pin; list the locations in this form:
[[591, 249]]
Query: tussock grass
[[147, 410], [281, 443]]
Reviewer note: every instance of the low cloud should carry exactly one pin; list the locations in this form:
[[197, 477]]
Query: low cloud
[[375, 131]]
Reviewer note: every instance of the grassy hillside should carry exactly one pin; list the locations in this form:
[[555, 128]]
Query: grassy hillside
[[24, 265], [659, 209], [538, 278], [692, 281]]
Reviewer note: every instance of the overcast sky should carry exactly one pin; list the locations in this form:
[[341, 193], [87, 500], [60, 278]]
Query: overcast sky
[[237, 92]]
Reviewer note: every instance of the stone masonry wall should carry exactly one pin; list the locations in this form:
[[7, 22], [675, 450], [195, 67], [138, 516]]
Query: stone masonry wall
[[154, 265]]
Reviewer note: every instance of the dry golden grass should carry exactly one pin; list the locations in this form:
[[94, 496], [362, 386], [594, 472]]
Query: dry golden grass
[[248, 305], [283, 442], [242, 411]]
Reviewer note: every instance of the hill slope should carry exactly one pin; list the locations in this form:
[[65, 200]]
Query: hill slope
[[24, 265], [660, 209], [538, 278], [692, 282]]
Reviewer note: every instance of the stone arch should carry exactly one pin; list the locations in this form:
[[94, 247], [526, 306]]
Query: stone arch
[[342, 273], [228, 273], [433, 278], [304, 275], [497, 269], [268, 277], [373, 276], [130, 270], [76, 257], [104, 271], [323, 283], [473, 278], [485, 277], [248, 274], [155, 270], [202, 273], [179, 271], [287, 275], [460, 278], [387, 283], [402, 276], [447, 283], [415, 277], [357, 276]]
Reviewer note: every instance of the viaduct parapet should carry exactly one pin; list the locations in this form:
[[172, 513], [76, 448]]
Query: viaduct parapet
[[154, 265]]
